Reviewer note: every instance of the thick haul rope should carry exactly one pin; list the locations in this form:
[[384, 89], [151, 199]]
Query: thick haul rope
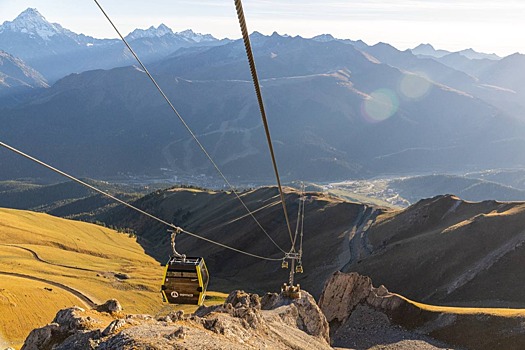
[[185, 124], [249, 54], [174, 227]]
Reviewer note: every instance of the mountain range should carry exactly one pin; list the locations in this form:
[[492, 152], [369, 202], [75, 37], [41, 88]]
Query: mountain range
[[16, 76], [56, 52], [337, 108]]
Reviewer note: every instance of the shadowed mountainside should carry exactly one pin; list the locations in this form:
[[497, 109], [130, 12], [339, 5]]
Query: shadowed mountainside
[[448, 251], [219, 216], [16, 76], [414, 251], [66, 199]]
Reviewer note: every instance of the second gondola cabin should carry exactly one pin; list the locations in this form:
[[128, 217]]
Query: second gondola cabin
[[185, 281]]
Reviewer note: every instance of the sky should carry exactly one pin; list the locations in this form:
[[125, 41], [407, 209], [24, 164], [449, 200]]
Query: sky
[[486, 26]]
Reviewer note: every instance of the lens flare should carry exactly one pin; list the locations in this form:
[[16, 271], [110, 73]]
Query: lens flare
[[381, 105], [414, 86]]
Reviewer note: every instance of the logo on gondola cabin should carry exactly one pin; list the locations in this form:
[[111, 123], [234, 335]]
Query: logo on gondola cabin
[[175, 294]]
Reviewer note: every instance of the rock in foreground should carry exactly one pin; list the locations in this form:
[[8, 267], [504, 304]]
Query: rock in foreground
[[362, 317], [244, 321]]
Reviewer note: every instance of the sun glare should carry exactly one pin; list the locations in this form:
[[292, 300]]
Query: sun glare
[[414, 86], [381, 105]]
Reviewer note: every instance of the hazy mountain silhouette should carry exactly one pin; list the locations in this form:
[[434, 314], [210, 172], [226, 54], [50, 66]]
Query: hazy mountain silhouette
[[337, 109], [326, 102], [419, 187], [488, 79], [429, 50], [473, 67], [16, 77]]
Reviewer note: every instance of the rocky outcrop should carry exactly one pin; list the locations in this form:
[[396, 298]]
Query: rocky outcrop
[[305, 313], [362, 316], [67, 322], [244, 321], [344, 291]]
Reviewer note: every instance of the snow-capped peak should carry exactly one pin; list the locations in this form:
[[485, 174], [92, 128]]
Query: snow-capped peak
[[32, 22], [151, 32], [197, 37]]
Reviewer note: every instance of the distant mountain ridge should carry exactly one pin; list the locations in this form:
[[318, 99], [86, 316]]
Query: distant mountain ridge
[[33, 24], [15, 75], [56, 52], [429, 50], [340, 109], [188, 34], [326, 99], [416, 188]]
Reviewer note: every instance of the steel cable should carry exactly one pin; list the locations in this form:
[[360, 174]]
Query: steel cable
[[178, 229], [253, 70], [185, 124]]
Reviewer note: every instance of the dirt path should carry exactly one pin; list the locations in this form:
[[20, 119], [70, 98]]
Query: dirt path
[[37, 257], [358, 239], [84, 298]]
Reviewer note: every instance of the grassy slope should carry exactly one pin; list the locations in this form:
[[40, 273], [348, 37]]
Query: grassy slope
[[99, 252], [220, 217], [447, 251], [465, 327]]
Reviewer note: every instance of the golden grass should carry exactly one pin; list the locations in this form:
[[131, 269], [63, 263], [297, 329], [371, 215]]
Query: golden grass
[[190, 189], [502, 312], [26, 304], [19, 296]]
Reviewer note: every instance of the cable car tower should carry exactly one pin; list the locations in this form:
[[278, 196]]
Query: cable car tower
[[290, 290]]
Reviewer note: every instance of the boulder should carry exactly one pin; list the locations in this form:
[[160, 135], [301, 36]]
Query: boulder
[[110, 306]]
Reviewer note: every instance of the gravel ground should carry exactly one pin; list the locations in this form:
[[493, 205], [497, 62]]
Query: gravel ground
[[370, 329]]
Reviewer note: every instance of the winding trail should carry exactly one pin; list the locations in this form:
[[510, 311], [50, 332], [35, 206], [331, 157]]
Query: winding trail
[[84, 298], [37, 257]]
